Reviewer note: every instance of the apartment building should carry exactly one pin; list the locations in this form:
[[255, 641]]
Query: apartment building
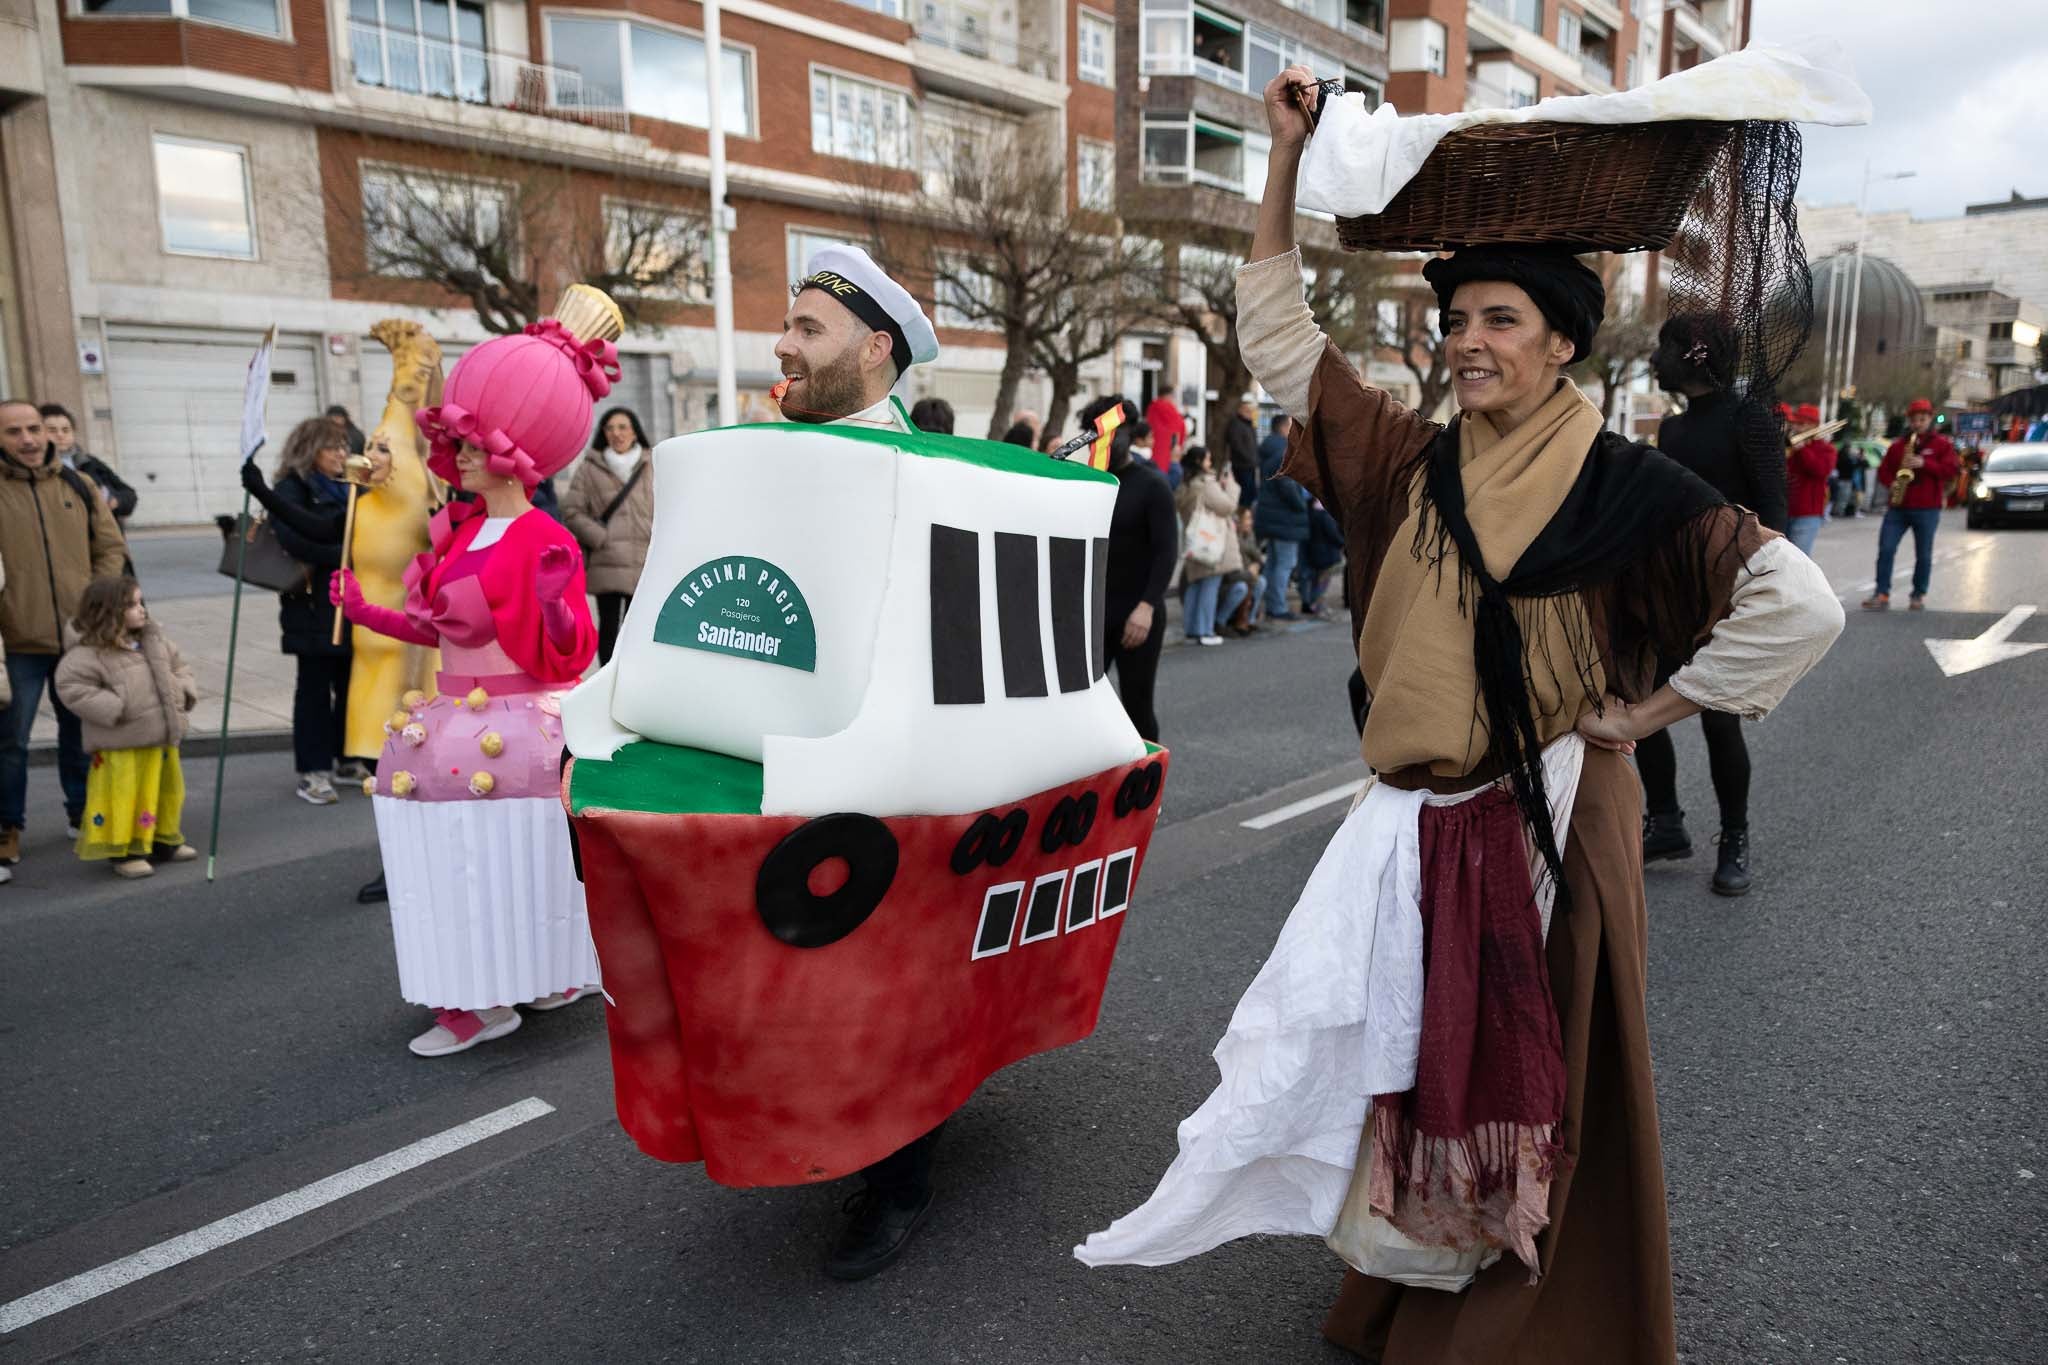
[[184, 173]]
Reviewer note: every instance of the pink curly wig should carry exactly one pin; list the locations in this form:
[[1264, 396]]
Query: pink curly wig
[[525, 401]]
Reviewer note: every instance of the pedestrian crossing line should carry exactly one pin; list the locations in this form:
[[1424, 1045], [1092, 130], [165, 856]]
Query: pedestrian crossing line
[[91, 1284], [1302, 807]]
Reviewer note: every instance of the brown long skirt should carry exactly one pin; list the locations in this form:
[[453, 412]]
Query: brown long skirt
[[1605, 1297]]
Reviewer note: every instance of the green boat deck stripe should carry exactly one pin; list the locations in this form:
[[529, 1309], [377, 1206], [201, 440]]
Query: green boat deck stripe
[[667, 780]]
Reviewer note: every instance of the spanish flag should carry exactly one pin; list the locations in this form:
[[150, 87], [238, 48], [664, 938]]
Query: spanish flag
[[1096, 446]]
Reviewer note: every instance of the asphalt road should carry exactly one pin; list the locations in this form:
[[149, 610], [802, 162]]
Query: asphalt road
[[1849, 1068]]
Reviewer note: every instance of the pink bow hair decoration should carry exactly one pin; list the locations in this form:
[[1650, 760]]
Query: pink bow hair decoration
[[451, 425], [596, 360]]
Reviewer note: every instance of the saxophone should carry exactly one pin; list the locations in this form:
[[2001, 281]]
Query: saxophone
[[1904, 478]]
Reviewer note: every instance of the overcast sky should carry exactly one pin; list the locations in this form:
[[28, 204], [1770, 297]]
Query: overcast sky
[[1961, 96]]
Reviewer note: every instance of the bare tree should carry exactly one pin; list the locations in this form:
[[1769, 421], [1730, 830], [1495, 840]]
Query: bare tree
[[507, 234], [988, 225], [1088, 319], [1198, 291], [1621, 348]]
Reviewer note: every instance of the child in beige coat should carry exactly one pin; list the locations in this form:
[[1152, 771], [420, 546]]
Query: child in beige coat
[[132, 690]]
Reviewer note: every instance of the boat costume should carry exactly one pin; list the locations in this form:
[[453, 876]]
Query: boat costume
[[486, 910], [1443, 1067], [390, 533], [859, 815]]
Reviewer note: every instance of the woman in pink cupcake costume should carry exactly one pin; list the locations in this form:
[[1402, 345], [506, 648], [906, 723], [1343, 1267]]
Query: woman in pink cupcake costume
[[486, 910]]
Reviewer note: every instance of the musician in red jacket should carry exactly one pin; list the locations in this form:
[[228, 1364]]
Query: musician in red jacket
[[1808, 467], [1932, 461]]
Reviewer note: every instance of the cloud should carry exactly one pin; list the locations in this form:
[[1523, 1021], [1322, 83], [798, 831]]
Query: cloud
[[1958, 100]]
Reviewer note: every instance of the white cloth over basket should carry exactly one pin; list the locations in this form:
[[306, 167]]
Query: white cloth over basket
[[1333, 1018], [1358, 161], [485, 906]]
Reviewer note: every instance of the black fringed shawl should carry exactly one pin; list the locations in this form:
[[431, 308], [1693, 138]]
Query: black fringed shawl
[[1628, 505]]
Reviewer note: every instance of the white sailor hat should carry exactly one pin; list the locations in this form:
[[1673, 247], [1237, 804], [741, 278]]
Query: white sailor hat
[[849, 274]]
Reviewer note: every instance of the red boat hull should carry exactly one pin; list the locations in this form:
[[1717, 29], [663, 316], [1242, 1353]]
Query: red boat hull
[[779, 1064]]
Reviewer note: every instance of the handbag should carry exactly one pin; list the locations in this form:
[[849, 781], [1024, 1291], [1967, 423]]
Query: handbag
[[1207, 532], [265, 561]]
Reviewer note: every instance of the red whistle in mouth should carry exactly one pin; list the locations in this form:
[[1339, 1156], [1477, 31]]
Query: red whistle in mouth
[[781, 387]]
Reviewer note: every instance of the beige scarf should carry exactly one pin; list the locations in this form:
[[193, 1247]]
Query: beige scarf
[[1416, 648]]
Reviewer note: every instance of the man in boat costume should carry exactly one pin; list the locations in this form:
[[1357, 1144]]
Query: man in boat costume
[[1444, 1061], [858, 811]]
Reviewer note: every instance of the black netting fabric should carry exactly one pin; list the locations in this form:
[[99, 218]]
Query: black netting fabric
[[1738, 258]]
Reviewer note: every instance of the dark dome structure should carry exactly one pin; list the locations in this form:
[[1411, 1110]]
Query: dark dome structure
[[1891, 316]]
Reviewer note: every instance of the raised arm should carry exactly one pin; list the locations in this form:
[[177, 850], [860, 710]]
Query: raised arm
[[344, 592]]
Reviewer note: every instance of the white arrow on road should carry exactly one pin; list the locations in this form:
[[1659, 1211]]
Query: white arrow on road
[[1964, 656]]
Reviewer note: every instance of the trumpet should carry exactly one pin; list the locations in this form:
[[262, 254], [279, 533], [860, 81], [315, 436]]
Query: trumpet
[[1904, 478]]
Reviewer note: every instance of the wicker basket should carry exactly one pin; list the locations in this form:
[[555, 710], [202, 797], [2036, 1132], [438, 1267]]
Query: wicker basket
[[1589, 186]]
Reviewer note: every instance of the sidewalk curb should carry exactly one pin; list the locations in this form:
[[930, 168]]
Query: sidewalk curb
[[44, 755]]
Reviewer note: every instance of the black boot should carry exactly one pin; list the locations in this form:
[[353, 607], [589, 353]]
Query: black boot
[[372, 893], [878, 1226], [1664, 837], [1731, 873]]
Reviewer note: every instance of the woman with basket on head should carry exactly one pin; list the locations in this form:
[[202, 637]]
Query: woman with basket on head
[[1443, 1067], [486, 911]]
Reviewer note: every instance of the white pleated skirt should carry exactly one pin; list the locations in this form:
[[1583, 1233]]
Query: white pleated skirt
[[485, 906]]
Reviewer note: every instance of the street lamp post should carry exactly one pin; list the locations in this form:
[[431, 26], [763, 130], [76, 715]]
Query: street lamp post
[[1856, 290]]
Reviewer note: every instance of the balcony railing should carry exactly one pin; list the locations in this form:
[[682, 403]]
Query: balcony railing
[[1593, 64], [394, 59], [965, 29]]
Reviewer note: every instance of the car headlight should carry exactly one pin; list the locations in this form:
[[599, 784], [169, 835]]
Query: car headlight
[[1981, 491]]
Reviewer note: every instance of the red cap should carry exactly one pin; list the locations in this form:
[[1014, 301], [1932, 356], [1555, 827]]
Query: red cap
[[1808, 413], [1919, 405]]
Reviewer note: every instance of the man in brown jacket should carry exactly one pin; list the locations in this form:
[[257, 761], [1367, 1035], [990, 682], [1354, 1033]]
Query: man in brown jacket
[[55, 537]]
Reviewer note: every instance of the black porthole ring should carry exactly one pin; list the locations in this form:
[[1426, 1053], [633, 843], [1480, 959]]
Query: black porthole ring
[[1127, 793], [1054, 834], [975, 845], [782, 892], [1084, 817], [1154, 775], [1009, 835]]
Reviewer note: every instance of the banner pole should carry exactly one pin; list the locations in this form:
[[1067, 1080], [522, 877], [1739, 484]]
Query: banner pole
[[227, 695]]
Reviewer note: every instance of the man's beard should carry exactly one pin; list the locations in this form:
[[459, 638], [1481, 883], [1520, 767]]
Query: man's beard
[[832, 392]]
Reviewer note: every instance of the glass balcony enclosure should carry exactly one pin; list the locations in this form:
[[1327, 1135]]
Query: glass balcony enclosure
[[422, 47], [1186, 149], [1182, 38]]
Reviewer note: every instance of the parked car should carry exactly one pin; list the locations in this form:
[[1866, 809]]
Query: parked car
[[2012, 486]]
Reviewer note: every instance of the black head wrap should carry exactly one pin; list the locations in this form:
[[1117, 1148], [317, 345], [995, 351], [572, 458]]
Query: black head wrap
[[1567, 291]]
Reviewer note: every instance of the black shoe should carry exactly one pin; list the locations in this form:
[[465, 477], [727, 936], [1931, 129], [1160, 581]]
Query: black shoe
[[1731, 873], [877, 1229], [372, 893], [1664, 837]]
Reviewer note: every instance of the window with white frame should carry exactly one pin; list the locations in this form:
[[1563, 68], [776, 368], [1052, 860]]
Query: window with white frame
[[1167, 36], [1185, 149], [657, 252], [415, 223], [655, 72], [963, 296], [1568, 31], [1258, 149], [253, 16], [422, 47], [1629, 78], [805, 243], [1097, 55], [1095, 174], [859, 120], [204, 198], [893, 8]]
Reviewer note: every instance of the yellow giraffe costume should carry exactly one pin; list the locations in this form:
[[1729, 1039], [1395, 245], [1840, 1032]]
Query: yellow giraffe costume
[[391, 528]]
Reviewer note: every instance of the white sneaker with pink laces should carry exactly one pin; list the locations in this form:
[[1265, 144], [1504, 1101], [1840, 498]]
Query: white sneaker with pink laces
[[460, 1030]]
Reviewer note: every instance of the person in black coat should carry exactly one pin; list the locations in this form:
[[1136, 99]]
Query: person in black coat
[[1736, 444], [1241, 439], [1144, 544], [309, 508]]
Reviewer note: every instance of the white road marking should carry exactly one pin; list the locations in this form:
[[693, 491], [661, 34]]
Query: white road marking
[[1303, 806], [215, 1235], [1965, 656]]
